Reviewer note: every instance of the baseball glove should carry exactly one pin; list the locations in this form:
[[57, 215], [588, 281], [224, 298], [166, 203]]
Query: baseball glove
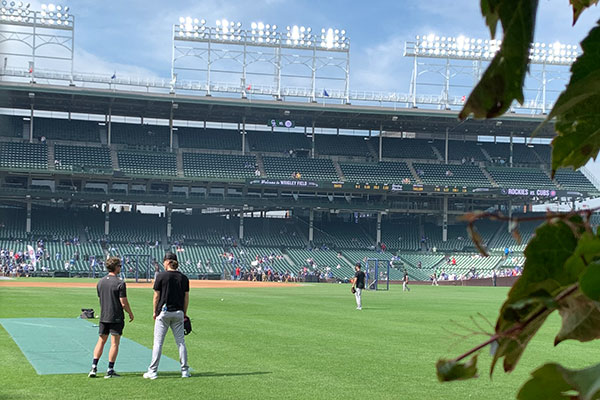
[[187, 325], [353, 290]]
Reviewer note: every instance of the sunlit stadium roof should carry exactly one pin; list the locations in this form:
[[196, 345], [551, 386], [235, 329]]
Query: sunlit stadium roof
[[234, 110]]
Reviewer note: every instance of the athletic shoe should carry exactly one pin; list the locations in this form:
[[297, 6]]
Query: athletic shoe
[[92, 373], [150, 375], [185, 374], [111, 374], [359, 308]]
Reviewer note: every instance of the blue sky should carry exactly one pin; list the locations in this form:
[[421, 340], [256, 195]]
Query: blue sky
[[134, 37]]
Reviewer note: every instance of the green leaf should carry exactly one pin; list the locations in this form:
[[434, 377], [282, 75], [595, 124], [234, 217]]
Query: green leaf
[[450, 370], [580, 319], [577, 110], [544, 276], [489, 9], [589, 282], [588, 249], [579, 6], [503, 80], [554, 382]]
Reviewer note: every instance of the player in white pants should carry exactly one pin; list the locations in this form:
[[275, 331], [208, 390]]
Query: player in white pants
[[171, 299], [358, 285], [405, 287]]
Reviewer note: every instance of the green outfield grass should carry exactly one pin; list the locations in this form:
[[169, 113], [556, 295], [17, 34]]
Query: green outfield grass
[[304, 342]]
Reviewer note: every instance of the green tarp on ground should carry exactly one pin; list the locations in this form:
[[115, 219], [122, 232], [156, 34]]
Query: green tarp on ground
[[66, 345]]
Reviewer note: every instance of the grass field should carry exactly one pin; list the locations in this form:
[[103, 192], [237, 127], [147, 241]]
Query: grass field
[[304, 342]]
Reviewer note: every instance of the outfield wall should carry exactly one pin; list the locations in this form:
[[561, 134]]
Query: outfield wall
[[506, 281]]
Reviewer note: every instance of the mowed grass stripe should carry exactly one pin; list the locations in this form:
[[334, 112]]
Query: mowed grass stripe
[[297, 342]]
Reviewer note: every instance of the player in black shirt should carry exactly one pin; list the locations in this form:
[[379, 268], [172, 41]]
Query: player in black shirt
[[113, 300], [358, 285], [171, 298]]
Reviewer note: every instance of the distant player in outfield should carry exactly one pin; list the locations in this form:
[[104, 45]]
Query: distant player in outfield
[[405, 287], [358, 285], [171, 299], [113, 300]]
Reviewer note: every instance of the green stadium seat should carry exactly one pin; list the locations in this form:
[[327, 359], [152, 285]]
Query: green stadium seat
[[219, 166], [149, 164]]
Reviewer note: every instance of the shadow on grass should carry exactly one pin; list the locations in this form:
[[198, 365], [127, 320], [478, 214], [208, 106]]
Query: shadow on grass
[[210, 374]]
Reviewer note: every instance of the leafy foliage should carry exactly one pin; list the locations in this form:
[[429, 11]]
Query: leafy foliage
[[581, 319], [589, 282], [577, 110], [562, 267], [528, 301], [579, 6], [553, 382], [451, 370], [502, 82]]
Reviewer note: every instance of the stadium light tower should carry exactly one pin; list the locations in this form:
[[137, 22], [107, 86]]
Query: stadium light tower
[[37, 34], [294, 52], [479, 51]]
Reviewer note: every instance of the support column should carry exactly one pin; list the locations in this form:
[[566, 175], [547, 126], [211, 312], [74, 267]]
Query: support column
[[509, 216], [28, 220], [173, 107], [107, 219], [378, 235], [446, 147], [313, 141], [445, 221], [510, 160], [243, 135], [380, 141], [241, 235], [311, 220], [169, 212], [108, 125], [31, 123]]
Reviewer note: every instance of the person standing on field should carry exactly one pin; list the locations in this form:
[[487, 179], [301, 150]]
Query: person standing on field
[[113, 300], [358, 285], [405, 287], [171, 299]]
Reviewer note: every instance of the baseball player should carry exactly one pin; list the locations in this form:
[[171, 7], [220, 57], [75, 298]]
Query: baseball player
[[405, 287], [113, 300], [358, 285], [171, 298]]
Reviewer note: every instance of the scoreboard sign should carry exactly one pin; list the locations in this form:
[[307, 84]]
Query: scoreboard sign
[[281, 123]]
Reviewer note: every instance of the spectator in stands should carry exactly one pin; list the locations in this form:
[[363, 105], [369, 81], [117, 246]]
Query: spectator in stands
[[449, 173], [43, 139], [257, 172]]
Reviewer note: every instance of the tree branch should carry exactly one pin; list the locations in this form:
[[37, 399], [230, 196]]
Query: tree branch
[[520, 326]]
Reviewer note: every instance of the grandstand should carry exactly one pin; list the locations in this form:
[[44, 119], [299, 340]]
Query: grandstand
[[340, 183]]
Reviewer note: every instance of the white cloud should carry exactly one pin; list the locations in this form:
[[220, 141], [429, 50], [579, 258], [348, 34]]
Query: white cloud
[[90, 63], [382, 67]]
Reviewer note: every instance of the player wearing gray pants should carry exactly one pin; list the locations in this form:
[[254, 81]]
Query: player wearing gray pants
[[164, 321]]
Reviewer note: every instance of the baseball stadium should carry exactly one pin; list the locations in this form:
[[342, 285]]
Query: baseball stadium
[[268, 178]]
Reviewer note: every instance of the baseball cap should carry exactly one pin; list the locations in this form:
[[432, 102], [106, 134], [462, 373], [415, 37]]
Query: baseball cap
[[170, 256]]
